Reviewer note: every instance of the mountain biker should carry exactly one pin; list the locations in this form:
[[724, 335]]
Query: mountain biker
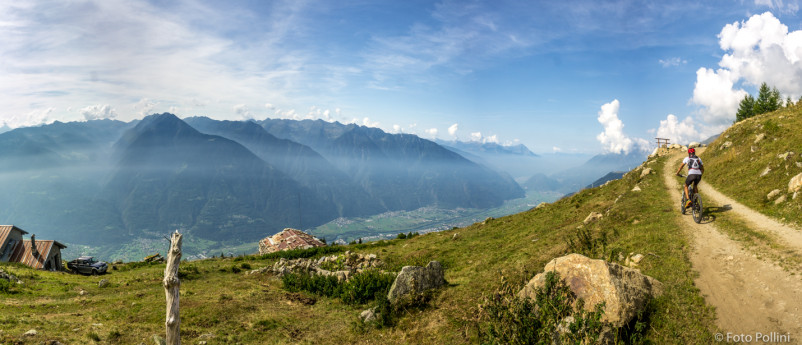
[[695, 171]]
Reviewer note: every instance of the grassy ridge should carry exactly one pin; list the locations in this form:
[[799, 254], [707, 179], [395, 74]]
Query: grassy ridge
[[736, 161], [224, 307]]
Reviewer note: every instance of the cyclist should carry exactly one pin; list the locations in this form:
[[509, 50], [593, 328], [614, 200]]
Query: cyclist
[[695, 171]]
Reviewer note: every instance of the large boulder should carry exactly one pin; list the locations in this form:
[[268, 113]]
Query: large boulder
[[625, 291], [416, 279]]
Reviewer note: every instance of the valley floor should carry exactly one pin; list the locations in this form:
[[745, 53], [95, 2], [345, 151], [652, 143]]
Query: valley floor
[[747, 263]]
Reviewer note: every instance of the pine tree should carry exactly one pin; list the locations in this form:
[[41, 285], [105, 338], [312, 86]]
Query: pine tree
[[789, 102], [768, 100], [746, 109]]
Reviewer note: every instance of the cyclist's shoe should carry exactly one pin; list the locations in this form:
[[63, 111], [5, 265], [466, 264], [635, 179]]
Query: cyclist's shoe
[[687, 204]]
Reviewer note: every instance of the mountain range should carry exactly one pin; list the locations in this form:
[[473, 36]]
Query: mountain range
[[108, 182]]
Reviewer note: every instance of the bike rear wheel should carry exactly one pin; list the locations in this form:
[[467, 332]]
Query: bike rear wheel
[[696, 208]]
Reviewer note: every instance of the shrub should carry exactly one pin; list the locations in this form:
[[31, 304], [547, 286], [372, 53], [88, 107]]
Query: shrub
[[5, 286], [245, 266], [235, 269], [402, 236], [360, 289], [510, 319]]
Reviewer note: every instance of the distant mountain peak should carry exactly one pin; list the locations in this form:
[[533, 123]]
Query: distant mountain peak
[[475, 146]]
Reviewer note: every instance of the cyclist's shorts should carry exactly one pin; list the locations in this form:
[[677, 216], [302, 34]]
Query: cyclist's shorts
[[695, 178]]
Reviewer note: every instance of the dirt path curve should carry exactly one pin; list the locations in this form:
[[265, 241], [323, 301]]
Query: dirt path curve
[[789, 235], [750, 295]]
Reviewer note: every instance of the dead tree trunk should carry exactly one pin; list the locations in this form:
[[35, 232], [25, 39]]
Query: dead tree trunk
[[171, 285]]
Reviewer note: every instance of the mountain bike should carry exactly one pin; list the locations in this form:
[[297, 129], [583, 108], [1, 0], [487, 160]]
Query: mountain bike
[[696, 202]]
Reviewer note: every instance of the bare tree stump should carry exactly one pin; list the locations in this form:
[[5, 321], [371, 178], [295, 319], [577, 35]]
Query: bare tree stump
[[171, 285]]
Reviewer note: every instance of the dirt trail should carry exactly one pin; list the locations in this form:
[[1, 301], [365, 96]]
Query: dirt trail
[[789, 235], [750, 295]]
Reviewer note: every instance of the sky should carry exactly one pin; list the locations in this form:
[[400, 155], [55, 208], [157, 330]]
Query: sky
[[584, 76]]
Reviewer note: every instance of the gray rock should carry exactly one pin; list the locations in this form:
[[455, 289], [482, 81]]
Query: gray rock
[[593, 216], [773, 194], [9, 277], [416, 279], [625, 291], [31, 333], [726, 145], [795, 184], [103, 283], [369, 315]]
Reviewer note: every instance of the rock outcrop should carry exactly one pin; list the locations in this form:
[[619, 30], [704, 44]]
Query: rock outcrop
[[288, 239], [416, 279], [625, 291], [341, 266]]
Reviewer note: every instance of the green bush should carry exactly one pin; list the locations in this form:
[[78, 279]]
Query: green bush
[[245, 266], [509, 319], [5, 286], [360, 289]]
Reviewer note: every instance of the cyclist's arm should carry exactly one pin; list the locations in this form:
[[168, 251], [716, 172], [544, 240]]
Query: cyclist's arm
[[680, 168]]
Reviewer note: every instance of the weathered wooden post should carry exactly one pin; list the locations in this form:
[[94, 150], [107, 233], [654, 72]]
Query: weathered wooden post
[[171, 285]]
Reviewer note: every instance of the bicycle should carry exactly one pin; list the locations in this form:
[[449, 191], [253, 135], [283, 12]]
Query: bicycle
[[696, 203]]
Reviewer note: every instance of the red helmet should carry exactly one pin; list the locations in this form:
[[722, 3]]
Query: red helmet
[[691, 150]]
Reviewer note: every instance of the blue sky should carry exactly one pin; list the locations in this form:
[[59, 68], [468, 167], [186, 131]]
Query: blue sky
[[570, 76]]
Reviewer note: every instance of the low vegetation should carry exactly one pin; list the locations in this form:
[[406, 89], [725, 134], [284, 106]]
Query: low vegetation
[[757, 156], [221, 305]]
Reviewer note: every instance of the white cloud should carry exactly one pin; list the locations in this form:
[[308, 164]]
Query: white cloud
[[760, 50], [678, 132], [432, 132], [145, 106], [452, 130], [97, 112], [476, 136], [396, 128], [491, 139], [243, 112], [368, 123], [714, 92], [792, 6], [556, 149], [672, 62], [612, 139]]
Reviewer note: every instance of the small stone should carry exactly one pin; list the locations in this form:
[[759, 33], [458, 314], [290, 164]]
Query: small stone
[[368, 315], [455, 237], [726, 145], [636, 189], [759, 137], [82, 293], [593, 216], [730, 258], [103, 283], [637, 258], [31, 333], [765, 171], [645, 172], [773, 194], [779, 200], [784, 156]]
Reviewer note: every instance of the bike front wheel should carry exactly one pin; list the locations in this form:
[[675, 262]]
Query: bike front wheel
[[697, 208]]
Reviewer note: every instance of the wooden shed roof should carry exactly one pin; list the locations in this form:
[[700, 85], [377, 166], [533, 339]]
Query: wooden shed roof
[[22, 252], [5, 230]]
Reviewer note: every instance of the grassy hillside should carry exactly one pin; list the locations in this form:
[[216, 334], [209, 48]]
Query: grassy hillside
[[749, 160], [222, 306]]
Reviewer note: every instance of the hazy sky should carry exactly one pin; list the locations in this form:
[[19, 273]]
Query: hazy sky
[[573, 76]]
